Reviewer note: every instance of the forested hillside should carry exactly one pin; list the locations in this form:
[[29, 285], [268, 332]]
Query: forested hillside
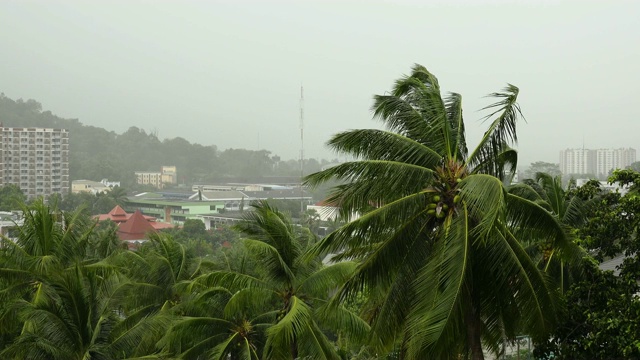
[[97, 153]]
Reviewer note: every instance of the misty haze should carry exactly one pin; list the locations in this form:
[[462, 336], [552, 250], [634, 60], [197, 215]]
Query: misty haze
[[319, 179]]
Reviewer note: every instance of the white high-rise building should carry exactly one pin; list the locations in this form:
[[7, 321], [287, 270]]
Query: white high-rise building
[[35, 159], [609, 159], [576, 161], [596, 162]]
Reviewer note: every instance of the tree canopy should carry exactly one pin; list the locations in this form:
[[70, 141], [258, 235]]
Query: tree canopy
[[439, 239]]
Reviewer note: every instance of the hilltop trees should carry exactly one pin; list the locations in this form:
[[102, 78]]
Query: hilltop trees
[[439, 236]]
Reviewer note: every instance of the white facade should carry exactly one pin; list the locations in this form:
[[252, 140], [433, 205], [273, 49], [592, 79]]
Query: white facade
[[597, 162], [35, 159], [152, 178], [110, 184], [576, 161], [166, 175], [609, 159], [89, 186]]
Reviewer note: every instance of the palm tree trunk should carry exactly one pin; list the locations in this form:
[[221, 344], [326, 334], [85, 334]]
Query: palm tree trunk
[[472, 320]]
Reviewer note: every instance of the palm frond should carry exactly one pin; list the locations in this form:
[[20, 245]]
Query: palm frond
[[229, 280], [281, 336], [439, 291], [273, 227], [371, 183], [484, 197], [501, 132], [327, 279], [275, 266], [374, 144], [372, 226], [314, 343], [453, 105], [528, 219], [248, 300], [335, 316]]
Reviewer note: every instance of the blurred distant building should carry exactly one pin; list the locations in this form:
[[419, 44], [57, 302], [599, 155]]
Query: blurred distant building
[[169, 175], [166, 175], [35, 159], [93, 187], [598, 162]]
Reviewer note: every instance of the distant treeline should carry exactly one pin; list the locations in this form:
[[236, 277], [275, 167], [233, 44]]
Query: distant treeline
[[96, 153]]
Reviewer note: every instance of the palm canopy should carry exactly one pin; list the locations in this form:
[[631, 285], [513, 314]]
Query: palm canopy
[[280, 313], [65, 303], [570, 210], [439, 236]]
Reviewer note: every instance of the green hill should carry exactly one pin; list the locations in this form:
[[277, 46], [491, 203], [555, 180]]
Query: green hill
[[96, 153]]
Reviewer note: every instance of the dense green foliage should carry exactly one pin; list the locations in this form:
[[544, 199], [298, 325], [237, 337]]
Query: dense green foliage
[[11, 198], [600, 319], [434, 255], [71, 291], [440, 240]]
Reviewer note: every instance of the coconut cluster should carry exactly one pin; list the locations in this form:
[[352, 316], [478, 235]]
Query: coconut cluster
[[447, 188]]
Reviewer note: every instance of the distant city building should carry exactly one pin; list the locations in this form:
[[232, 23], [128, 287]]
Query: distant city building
[[609, 159], [10, 220], [166, 175], [240, 187], [152, 178], [577, 161], [110, 184], [35, 159], [598, 162], [93, 187], [169, 175], [211, 207]]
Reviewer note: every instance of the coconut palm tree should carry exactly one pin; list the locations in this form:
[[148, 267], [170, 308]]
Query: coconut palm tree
[[66, 304], [118, 194], [570, 210], [439, 236], [74, 315], [280, 314]]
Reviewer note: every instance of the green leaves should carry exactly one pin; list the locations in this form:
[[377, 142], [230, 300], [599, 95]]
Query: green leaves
[[434, 221], [500, 134]]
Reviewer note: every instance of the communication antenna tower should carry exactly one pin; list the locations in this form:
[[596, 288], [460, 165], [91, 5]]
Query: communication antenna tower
[[301, 148]]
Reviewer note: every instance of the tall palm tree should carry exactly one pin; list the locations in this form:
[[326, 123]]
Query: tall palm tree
[[281, 313], [439, 236]]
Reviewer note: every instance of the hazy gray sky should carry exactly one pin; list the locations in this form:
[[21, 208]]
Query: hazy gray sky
[[228, 73]]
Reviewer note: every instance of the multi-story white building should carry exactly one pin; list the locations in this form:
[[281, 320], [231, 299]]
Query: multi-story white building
[[598, 162], [609, 159], [35, 159], [152, 178], [577, 161], [167, 175]]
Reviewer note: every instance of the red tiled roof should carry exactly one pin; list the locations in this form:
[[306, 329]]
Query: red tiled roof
[[118, 212], [118, 215], [160, 225], [135, 228]]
